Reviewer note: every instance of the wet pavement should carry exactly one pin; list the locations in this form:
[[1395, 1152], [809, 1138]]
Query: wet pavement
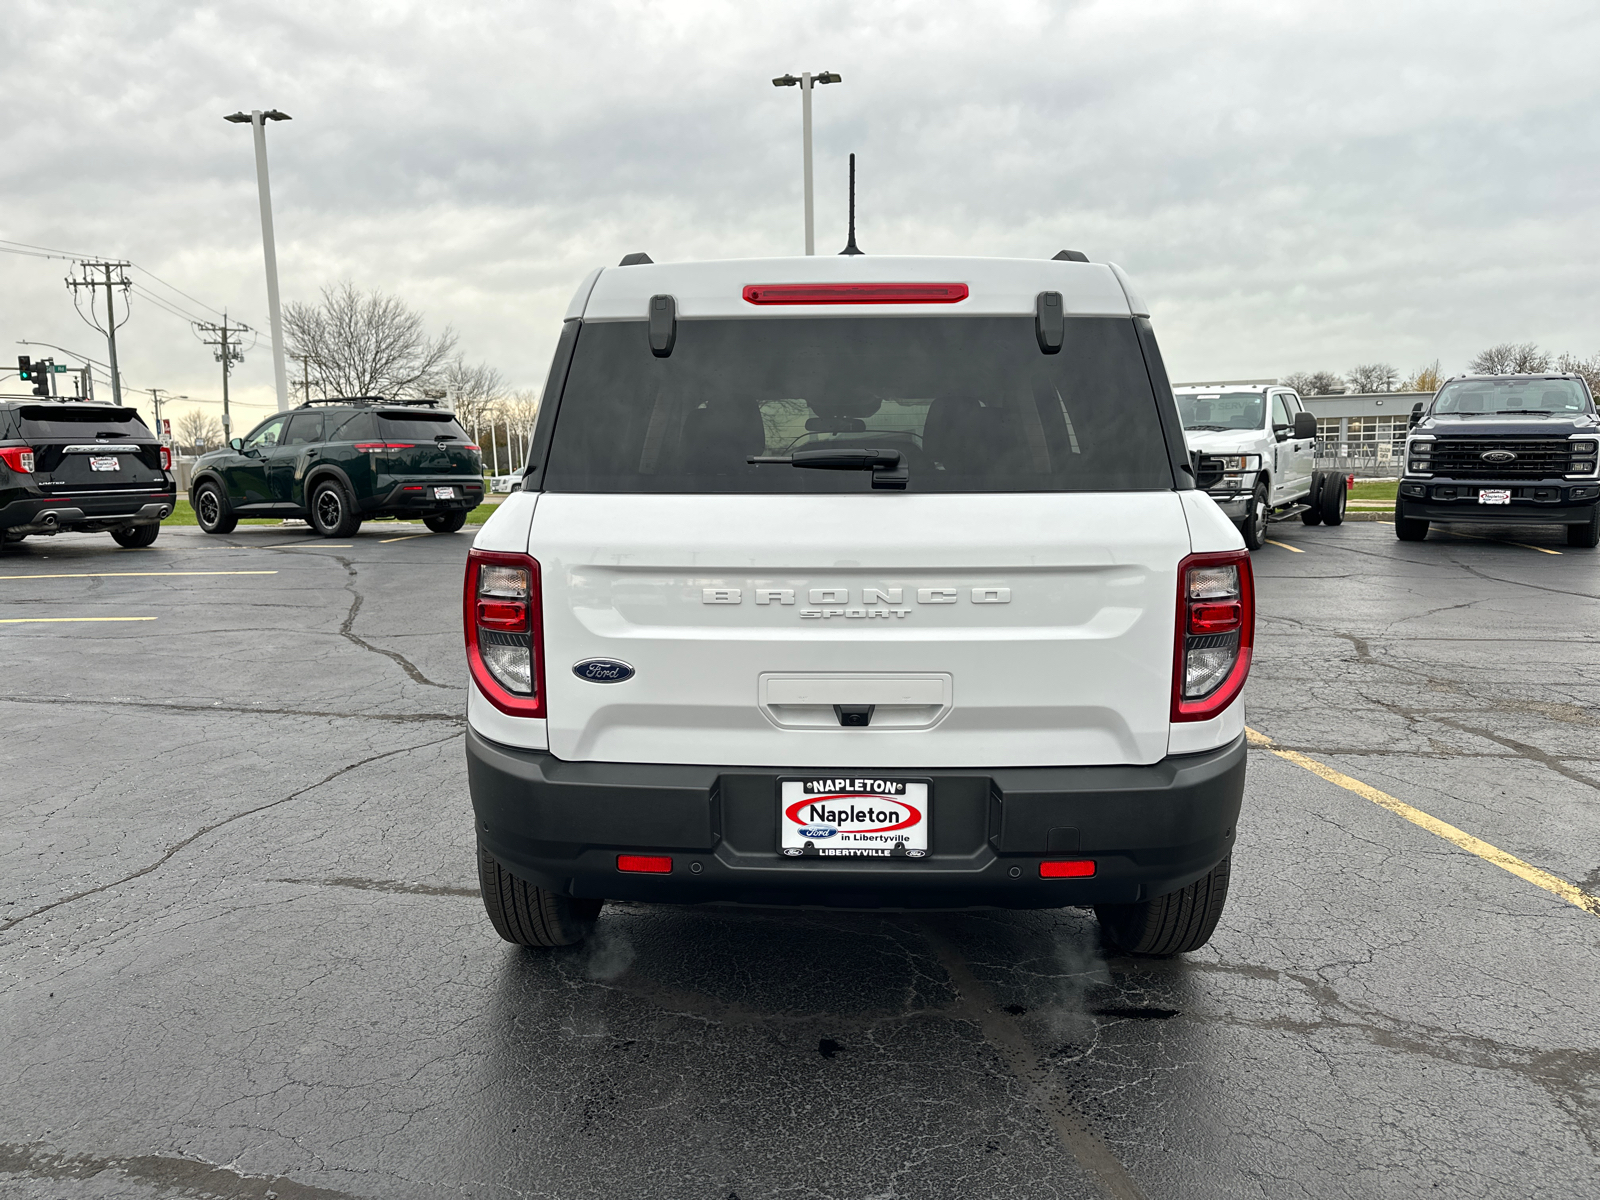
[[242, 953]]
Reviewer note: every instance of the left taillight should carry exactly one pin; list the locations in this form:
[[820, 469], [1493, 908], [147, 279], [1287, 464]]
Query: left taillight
[[18, 458], [505, 630], [1215, 632], [166, 458]]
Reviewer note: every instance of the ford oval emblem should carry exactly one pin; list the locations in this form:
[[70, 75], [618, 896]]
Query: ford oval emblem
[[602, 670], [1497, 456]]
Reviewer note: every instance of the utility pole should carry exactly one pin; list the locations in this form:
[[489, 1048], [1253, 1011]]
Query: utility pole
[[257, 121], [155, 396], [805, 80], [227, 354], [110, 329]]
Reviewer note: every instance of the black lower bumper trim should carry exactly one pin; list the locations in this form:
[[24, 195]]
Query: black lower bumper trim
[[88, 511], [1150, 829], [1469, 512]]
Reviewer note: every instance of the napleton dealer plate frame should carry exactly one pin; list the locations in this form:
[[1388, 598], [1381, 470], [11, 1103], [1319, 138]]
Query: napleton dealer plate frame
[[854, 814]]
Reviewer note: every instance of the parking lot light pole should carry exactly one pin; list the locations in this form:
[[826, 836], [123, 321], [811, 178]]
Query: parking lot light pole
[[805, 80], [257, 120]]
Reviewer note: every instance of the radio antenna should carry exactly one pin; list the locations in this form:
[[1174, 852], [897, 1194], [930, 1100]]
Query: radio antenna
[[852, 248]]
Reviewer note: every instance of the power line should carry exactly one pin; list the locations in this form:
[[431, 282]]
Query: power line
[[111, 325]]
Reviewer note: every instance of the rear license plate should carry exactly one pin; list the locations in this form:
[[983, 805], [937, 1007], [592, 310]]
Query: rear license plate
[[843, 815], [448, 493], [1494, 496], [108, 462]]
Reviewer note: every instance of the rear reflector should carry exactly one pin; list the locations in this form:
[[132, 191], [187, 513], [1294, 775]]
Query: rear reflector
[[645, 864], [855, 293], [1077, 868]]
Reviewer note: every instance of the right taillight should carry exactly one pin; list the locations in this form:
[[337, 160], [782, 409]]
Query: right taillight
[[18, 458], [504, 630], [1216, 623]]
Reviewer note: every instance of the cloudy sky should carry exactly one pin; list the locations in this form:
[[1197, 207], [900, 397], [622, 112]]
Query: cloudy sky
[[1293, 185]]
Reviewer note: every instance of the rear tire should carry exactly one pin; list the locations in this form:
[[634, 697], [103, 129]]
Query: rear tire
[[1333, 499], [332, 513], [1410, 529], [1313, 512], [528, 915], [447, 522], [211, 510], [1586, 535], [1254, 525], [136, 537], [1176, 923]]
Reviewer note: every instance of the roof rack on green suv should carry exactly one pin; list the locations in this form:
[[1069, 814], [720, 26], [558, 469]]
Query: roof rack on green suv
[[338, 461]]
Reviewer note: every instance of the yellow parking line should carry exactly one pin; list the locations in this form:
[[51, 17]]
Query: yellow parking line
[[1481, 538], [1551, 883], [1283, 545], [304, 545], [405, 538], [132, 574], [60, 620]]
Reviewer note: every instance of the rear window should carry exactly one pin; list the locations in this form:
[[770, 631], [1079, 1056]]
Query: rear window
[[80, 421], [423, 426], [971, 403]]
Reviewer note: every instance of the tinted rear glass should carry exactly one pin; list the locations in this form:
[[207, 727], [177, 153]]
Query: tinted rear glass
[[971, 402], [80, 421], [422, 426]]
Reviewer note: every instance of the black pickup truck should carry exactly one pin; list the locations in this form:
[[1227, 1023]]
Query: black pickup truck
[[1503, 450], [79, 466]]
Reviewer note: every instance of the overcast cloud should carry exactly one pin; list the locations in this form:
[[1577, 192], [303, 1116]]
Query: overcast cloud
[[1294, 186]]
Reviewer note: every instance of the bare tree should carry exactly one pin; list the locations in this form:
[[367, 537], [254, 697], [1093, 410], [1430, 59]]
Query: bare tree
[[472, 390], [1588, 368], [194, 428], [1510, 358], [1427, 379], [1372, 377], [365, 344], [1315, 383]]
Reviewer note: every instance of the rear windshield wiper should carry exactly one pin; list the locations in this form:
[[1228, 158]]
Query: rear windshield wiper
[[888, 467]]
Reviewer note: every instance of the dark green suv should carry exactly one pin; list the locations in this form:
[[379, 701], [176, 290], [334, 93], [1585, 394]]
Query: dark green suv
[[337, 463]]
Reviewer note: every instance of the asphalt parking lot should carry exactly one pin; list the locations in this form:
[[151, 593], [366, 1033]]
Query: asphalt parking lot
[[243, 953]]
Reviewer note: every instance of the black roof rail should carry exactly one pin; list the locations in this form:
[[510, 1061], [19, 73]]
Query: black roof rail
[[637, 259], [1069, 256], [370, 401]]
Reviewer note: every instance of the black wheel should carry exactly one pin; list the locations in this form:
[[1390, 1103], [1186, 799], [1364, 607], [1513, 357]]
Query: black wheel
[[1176, 923], [530, 915], [1313, 512], [446, 522], [211, 510], [1333, 499], [136, 537], [1586, 535], [332, 512], [1409, 529], [1254, 525]]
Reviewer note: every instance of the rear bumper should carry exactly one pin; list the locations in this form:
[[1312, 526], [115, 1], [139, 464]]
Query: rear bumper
[[416, 495], [1150, 830], [89, 510]]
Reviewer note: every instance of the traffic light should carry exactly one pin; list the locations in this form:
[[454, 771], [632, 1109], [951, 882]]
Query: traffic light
[[24, 368], [41, 376]]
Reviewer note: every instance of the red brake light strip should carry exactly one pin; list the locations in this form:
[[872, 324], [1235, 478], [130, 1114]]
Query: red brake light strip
[[855, 293]]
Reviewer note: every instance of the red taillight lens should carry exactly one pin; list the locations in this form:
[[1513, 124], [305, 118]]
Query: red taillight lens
[[855, 293], [166, 458], [504, 631], [1078, 868], [645, 864], [18, 458], [1215, 631]]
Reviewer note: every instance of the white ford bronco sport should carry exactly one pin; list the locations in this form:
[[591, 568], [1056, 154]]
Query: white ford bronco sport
[[863, 582], [1256, 449]]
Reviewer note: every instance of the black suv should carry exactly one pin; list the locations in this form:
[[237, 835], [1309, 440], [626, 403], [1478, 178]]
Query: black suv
[[1503, 450], [337, 463], [84, 467]]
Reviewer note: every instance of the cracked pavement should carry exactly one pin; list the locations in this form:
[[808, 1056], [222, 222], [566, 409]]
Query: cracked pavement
[[242, 955]]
